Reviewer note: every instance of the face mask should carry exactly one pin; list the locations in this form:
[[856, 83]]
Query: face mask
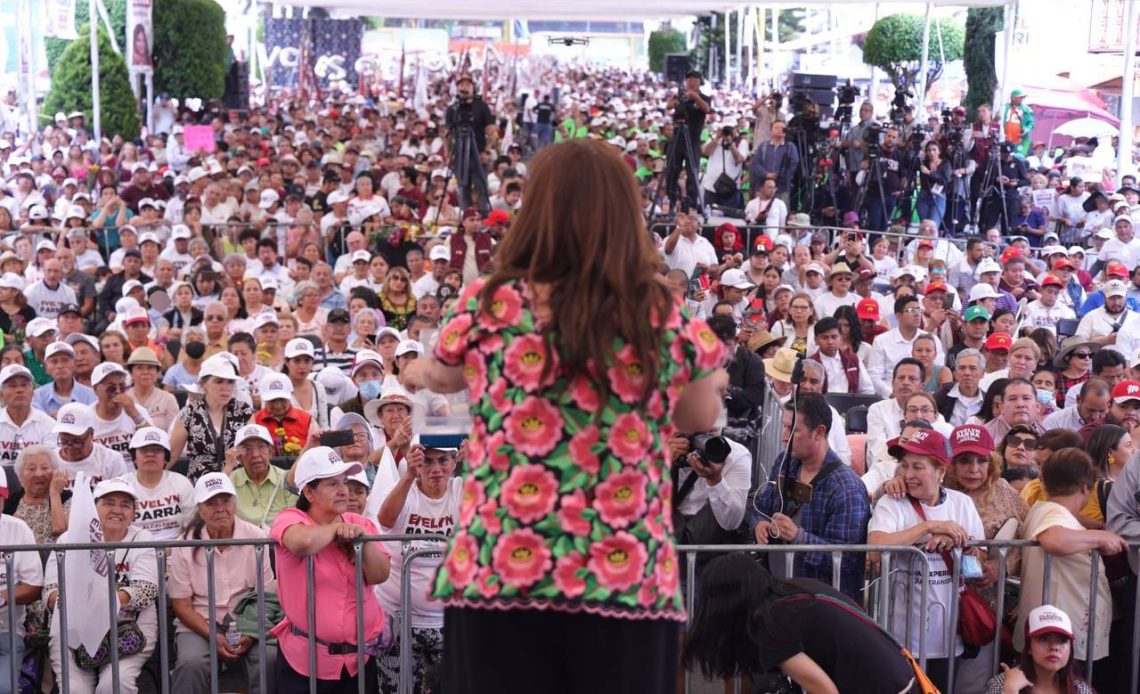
[[370, 390], [195, 350], [1046, 397]]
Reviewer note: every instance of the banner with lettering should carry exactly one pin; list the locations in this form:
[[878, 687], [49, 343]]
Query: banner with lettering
[[329, 48]]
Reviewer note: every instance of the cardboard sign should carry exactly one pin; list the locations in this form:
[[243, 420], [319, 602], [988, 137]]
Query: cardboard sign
[[198, 137]]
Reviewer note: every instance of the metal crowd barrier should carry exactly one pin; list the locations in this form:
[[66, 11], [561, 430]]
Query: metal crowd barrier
[[881, 589]]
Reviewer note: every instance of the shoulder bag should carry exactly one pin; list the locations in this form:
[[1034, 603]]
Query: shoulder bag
[[724, 185]]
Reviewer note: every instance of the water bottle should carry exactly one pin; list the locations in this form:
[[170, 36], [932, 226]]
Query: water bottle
[[232, 635]]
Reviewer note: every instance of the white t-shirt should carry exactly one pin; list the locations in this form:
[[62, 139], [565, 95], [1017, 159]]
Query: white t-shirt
[[425, 285], [102, 464], [777, 213], [421, 515], [1127, 253], [29, 570], [116, 433], [1038, 315], [894, 515], [165, 510], [36, 429], [180, 261], [48, 302], [688, 254], [827, 304]]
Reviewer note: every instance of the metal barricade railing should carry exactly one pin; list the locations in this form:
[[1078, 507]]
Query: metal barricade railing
[[881, 593]]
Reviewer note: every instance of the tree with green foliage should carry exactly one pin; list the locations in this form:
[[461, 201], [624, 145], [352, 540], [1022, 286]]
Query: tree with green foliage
[[982, 27], [663, 42], [894, 44], [190, 48], [116, 11], [71, 86]]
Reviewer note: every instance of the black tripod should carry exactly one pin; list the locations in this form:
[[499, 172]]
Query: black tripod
[[950, 220], [861, 196], [991, 192], [468, 168], [680, 145]]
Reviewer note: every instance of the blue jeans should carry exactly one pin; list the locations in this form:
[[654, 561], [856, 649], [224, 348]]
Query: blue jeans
[[543, 134], [878, 213], [6, 661], [931, 206]]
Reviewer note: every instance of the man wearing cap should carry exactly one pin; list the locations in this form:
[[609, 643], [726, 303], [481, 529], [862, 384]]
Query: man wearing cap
[[59, 360], [975, 328], [368, 375], [113, 288], [1125, 247], [335, 350], [259, 485], [361, 260], [735, 286], [440, 258], [21, 425], [1046, 311], [897, 343], [990, 273], [142, 186], [117, 415], [1017, 122], [78, 452], [38, 334], [49, 295], [1102, 325], [354, 242], [164, 498], [471, 250], [178, 252], [1095, 299]]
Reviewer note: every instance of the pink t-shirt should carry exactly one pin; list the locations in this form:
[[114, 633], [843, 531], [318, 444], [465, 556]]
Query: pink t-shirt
[[335, 595]]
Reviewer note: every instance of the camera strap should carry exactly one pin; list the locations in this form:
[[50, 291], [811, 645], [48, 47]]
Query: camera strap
[[684, 490]]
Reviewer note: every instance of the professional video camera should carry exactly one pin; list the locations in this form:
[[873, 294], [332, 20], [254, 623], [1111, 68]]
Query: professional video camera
[[710, 448], [899, 104], [873, 138], [951, 132], [847, 94]]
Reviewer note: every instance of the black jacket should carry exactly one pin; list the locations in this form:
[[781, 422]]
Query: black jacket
[[745, 383], [944, 402], [112, 292]]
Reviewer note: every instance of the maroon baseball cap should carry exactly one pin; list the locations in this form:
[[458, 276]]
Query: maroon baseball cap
[[971, 438], [922, 442]]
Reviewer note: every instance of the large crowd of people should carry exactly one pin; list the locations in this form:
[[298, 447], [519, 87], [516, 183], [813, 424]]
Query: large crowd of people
[[244, 344]]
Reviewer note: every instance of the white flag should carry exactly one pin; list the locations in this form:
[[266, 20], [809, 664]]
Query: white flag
[[86, 580]]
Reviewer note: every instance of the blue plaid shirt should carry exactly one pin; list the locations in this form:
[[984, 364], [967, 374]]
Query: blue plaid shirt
[[837, 514]]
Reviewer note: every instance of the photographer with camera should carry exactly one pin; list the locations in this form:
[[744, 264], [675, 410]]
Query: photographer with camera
[[812, 498], [472, 124], [690, 107], [711, 478], [854, 144], [882, 175], [767, 111], [726, 153]]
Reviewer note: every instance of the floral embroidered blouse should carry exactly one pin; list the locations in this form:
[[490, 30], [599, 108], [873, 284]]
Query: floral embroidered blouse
[[567, 498]]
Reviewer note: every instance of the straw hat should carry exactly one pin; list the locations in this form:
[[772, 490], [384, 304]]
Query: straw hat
[[781, 366], [761, 339]]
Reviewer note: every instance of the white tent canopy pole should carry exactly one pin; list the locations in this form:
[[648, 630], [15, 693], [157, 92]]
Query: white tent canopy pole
[[920, 112], [1127, 89]]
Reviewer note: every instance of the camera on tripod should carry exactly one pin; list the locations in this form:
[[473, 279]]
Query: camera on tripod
[[710, 448], [847, 93], [873, 138], [951, 132], [899, 104]]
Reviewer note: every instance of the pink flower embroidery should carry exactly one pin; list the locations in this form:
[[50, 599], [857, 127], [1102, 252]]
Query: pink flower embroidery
[[620, 500], [473, 497], [489, 513], [710, 350], [648, 593], [570, 514], [492, 344], [470, 291], [653, 521], [461, 561], [584, 394], [655, 407], [498, 460], [477, 445], [520, 558], [629, 438], [453, 338], [627, 377], [665, 571], [525, 360], [529, 493], [581, 445], [534, 427], [505, 309], [618, 561], [486, 588], [475, 373], [498, 393], [566, 577]]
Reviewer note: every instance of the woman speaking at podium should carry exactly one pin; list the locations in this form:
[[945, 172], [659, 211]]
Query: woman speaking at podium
[[562, 574]]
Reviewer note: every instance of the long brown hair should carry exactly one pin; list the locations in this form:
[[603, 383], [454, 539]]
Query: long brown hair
[[581, 232]]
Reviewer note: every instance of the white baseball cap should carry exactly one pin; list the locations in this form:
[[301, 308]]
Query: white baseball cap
[[983, 290], [195, 174], [45, 245], [299, 347], [268, 198], [105, 369], [265, 318], [387, 331], [131, 285], [268, 282], [1115, 288], [321, 463], [366, 357], [180, 231], [14, 370], [1046, 619], [408, 346], [253, 431], [736, 278], [38, 327], [74, 419], [74, 338], [275, 386], [218, 366], [10, 280], [58, 348], [987, 265], [212, 484], [150, 436], [361, 256], [336, 197], [149, 236], [440, 253], [116, 485]]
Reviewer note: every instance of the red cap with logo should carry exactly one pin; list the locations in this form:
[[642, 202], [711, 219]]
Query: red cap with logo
[[998, 341], [867, 309], [1126, 390], [922, 442], [764, 242], [926, 243], [1009, 254], [971, 438], [1116, 270], [1052, 281], [936, 287]]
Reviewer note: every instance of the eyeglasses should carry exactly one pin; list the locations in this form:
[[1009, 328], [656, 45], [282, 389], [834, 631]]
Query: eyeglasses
[[926, 409], [800, 308], [1083, 355], [71, 443], [1026, 442], [215, 318], [913, 311]]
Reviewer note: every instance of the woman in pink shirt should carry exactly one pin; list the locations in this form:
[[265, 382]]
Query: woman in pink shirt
[[322, 528]]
